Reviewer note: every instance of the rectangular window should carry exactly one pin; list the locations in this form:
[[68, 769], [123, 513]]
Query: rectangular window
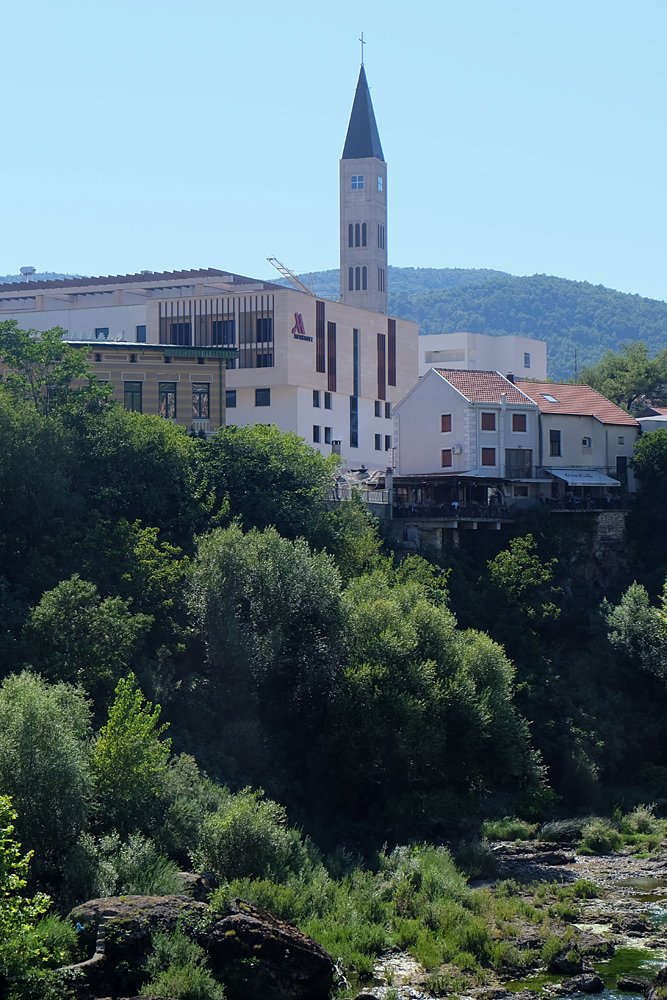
[[378, 442], [357, 182], [319, 338], [378, 408], [379, 183], [327, 435], [488, 456], [446, 458], [445, 423], [519, 422], [180, 334], [262, 397], [223, 332], [265, 329], [102, 332], [554, 444], [230, 399], [316, 434], [354, 422], [201, 400], [331, 357], [586, 442], [264, 361], [316, 397], [167, 400], [488, 421], [387, 411], [621, 439], [526, 360], [327, 401], [141, 334], [387, 442], [132, 396]]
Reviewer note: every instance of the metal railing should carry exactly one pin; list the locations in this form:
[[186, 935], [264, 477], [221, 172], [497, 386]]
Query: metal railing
[[447, 511]]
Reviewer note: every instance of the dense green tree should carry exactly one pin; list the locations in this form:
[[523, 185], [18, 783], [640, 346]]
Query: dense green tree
[[629, 377], [269, 613], [639, 630], [270, 478], [42, 369], [44, 766], [75, 635], [134, 466], [426, 714], [42, 513], [130, 760]]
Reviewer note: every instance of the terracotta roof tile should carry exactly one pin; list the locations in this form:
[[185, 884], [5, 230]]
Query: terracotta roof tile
[[483, 386], [576, 400]]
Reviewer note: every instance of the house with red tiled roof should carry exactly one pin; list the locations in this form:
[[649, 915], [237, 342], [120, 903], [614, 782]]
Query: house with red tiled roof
[[585, 440], [469, 433]]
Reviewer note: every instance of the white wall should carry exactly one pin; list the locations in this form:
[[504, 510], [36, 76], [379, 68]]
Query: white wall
[[480, 351]]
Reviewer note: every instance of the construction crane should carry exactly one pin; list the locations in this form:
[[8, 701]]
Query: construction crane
[[290, 275]]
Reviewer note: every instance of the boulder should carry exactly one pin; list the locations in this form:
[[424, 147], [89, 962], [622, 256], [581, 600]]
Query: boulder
[[658, 989], [257, 955], [566, 963], [632, 984], [588, 982]]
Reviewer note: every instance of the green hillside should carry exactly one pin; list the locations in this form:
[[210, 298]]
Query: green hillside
[[578, 320]]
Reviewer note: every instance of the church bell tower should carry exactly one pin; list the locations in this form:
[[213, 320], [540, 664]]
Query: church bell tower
[[363, 208]]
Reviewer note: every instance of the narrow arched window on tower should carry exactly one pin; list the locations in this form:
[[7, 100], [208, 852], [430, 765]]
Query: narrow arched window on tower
[[364, 278], [357, 232], [363, 234], [350, 279], [350, 235], [357, 278]]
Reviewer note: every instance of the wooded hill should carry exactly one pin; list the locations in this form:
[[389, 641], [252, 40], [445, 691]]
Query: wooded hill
[[579, 321]]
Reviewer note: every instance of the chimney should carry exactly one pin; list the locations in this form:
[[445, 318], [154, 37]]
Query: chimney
[[510, 377]]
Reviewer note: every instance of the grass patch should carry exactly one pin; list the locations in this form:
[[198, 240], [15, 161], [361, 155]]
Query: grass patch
[[509, 828]]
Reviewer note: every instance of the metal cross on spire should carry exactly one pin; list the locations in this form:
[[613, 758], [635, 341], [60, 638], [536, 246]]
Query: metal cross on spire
[[362, 47]]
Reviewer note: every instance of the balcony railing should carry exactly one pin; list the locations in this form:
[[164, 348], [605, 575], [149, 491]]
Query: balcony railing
[[448, 511]]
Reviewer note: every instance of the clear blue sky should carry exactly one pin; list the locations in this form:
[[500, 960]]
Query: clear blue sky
[[522, 135]]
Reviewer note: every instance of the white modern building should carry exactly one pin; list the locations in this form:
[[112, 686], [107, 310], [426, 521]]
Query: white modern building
[[521, 356], [329, 371]]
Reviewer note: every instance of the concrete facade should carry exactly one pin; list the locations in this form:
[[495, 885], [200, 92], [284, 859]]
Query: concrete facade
[[522, 356], [356, 363]]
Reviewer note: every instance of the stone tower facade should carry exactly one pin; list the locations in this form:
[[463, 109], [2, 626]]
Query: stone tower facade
[[363, 208]]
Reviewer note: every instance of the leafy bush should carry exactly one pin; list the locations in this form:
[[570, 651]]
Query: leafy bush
[[641, 820], [564, 831], [178, 969], [600, 837], [509, 828], [134, 867], [249, 837]]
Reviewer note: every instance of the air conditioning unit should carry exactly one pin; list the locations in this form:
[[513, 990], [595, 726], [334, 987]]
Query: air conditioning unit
[[457, 449], [586, 442]]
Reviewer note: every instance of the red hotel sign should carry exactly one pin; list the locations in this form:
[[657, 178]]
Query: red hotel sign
[[299, 329]]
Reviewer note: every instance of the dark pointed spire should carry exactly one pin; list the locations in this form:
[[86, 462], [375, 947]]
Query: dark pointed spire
[[362, 138]]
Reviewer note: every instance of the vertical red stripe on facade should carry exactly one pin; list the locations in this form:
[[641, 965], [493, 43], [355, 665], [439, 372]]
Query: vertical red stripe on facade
[[382, 366], [319, 338], [391, 351], [331, 357]]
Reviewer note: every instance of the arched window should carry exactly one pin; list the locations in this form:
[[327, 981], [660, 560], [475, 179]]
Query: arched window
[[364, 278], [357, 232], [350, 279], [350, 235], [357, 278], [363, 234]]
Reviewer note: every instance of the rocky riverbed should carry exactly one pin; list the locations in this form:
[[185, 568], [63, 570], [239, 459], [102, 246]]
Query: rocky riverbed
[[628, 921]]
